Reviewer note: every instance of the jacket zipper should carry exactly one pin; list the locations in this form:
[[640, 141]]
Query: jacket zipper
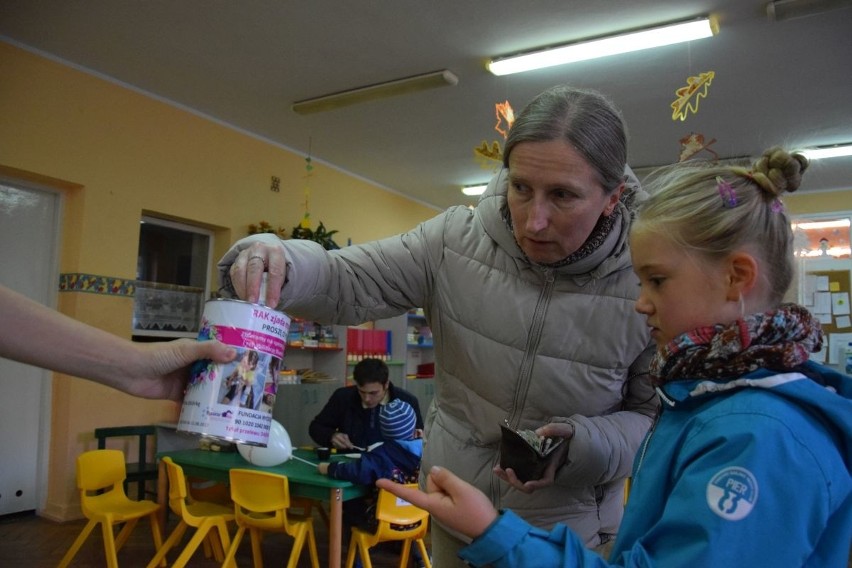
[[671, 403], [533, 340], [525, 373]]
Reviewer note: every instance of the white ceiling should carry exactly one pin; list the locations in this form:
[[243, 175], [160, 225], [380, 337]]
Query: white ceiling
[[244, 64]]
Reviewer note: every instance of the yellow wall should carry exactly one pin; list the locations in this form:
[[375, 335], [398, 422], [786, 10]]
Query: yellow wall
[[114, 154], [819, 202]]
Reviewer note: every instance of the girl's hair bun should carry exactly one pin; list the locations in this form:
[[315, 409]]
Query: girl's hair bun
[[777, 171]]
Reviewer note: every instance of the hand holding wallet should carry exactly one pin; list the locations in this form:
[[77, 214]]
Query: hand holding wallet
[[525, 452]]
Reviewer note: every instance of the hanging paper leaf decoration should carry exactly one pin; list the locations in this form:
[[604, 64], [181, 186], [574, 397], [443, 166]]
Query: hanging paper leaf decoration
[[689, 96], [694, 143], [506, 115], [492, 152], [486, 154]]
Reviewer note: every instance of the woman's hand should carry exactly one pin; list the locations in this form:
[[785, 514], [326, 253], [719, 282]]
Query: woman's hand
[[455, 503], [247, 271], [552, 430]]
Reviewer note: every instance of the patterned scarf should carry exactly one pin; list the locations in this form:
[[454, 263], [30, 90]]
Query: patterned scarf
[[778, 339]]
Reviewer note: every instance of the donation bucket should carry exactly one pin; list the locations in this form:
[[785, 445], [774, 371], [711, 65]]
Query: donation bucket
[[231, 401]]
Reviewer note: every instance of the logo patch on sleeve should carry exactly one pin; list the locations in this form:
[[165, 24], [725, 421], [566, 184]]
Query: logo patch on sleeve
[[732, 493]]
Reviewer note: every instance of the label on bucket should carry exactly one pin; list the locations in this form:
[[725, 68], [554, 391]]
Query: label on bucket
[[233, 401]]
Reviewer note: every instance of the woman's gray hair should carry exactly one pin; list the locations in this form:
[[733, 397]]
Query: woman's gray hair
[[583, 118]]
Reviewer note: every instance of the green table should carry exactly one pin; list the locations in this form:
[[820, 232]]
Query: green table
[[304, 481]]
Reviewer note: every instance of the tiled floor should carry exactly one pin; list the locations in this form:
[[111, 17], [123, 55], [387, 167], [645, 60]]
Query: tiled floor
[[29, 541]]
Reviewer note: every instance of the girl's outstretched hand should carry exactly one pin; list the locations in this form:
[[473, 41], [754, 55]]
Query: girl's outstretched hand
[[453, 502]]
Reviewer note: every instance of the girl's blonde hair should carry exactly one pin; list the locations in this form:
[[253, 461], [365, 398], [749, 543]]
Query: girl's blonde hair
[[714, 210]]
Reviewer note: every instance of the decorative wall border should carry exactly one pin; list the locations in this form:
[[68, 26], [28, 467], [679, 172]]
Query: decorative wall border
[[94, 284]]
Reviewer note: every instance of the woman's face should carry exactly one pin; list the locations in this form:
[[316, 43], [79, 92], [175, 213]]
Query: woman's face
[[555, 199]]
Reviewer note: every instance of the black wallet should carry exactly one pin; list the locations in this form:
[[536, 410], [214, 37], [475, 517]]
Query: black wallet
[[525, 452]]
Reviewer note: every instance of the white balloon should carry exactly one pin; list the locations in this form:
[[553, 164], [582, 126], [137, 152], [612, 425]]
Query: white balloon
[[278, 448]]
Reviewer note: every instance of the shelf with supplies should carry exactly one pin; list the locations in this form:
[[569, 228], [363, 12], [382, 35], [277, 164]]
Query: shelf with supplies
[[300, 399]]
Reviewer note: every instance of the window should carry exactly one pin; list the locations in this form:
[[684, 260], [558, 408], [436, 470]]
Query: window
[[827, 237], [172, 272]]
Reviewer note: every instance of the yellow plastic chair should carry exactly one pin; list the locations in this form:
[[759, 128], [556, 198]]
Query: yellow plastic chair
[[261, 503], [628, 483], [204, 516], [397, 520], [104, 470]]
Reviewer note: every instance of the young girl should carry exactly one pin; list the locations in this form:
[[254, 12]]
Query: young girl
[[749, 461]]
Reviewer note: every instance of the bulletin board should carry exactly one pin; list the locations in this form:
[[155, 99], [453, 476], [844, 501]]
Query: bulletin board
[[827, 294]]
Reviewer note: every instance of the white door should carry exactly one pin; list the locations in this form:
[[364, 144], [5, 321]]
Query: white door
[[29, 228]]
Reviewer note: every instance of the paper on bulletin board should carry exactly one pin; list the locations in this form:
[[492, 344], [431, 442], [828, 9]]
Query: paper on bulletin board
[[819, 356], [822, 303], [837, 343], [840, 303], [843, 322]]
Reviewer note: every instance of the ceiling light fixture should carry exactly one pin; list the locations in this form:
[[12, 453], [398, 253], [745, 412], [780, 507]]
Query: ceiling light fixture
[[477, 189], [600, 47], [820, 152], [443, 78]]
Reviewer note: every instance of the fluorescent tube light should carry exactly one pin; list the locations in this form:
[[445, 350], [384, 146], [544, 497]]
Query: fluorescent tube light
[[780, 10], [366, 93], [630, 41], [811, 225], [836, 151], [478, 189]]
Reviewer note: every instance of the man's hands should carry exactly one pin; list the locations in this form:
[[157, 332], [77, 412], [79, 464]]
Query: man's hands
[[341, 441]]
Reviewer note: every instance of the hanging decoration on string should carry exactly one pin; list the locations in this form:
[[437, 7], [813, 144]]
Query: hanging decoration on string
[[488, 153], [305, 223], [303, 230], [688, 97], [694, 143]]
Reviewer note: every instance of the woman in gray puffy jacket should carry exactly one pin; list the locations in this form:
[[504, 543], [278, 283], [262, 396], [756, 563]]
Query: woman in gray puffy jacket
[[530, 299]]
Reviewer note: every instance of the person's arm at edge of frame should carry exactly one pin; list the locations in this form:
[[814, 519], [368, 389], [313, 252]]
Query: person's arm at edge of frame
[[499, 538], [38, 335]]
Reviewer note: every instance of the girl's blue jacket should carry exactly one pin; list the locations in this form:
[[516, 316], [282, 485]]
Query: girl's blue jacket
[[747, 472]]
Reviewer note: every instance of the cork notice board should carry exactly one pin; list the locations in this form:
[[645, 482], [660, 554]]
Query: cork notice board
[[827, 296]]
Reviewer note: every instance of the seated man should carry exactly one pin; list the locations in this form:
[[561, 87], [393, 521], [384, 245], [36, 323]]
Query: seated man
[[349, 420]]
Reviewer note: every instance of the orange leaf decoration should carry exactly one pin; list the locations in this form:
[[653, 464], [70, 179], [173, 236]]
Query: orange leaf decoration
[[505, 113]]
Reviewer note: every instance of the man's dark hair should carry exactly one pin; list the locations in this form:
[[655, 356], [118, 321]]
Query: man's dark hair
[[370, 371]]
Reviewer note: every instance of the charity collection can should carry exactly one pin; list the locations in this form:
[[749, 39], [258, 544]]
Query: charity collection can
[[233, 401]]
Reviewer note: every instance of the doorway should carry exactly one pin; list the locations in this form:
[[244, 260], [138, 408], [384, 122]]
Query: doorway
[[29, 233]]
